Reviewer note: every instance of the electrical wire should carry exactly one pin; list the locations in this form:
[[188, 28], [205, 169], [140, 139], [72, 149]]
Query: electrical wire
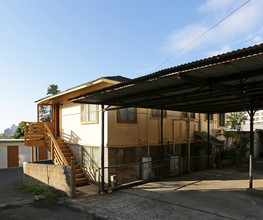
[[200, 36]]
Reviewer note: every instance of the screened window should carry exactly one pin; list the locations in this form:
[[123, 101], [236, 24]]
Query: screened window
[[222, 119], [192, 115], [157, 112], [89, 113], [127, 115]]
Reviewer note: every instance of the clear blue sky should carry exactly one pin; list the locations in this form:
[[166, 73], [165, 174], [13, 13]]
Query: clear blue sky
[[72, 42]]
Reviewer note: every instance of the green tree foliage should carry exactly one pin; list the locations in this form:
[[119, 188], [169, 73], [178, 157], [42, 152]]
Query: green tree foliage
[[52, 89], [19, 133], [240, 140], [235, 120], [45, 113], [5, 136]]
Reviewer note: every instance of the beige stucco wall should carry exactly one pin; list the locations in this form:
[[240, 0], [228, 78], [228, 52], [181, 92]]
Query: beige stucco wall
[[147, 130]]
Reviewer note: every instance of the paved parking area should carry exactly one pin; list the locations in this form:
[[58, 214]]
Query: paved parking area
[[210, 194]]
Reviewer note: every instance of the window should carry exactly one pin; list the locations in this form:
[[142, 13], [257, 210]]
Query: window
[[157, 112], [89, 113], [192, 115], [184, 115], [91, 157], [222, 119], [210, 116], [127, 115]]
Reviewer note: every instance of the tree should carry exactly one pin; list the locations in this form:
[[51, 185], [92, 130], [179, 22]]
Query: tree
[[45, 113], [235, 120], [19, 133], [52, 89], [4, 136], [240, 141]]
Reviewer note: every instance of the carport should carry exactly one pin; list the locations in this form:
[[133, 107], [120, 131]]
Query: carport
[[229, 82]]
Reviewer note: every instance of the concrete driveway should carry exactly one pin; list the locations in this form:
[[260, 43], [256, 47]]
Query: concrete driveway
[[210, 194], [17, 204]]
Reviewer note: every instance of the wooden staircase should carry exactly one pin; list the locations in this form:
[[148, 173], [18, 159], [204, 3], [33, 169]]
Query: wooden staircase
[[41, 134], [80, 176]]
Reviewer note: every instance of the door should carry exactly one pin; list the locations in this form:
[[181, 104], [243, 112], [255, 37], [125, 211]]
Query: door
[[56, 120], [12, 156], [42, 153]]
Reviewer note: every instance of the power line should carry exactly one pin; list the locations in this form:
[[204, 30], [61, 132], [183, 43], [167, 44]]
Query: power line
[[200, 36]]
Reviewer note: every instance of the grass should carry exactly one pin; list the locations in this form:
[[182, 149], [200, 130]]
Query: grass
[[50, 194]]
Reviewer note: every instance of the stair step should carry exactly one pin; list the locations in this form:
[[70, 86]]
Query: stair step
[[69, 160], [64, 151], [79, 175], [81, 181], [77, 166], [68, 155], [77, 171]]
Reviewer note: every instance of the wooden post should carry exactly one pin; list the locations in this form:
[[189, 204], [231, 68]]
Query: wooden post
[[73, 179], [37, 112], [32, 154], [52, 150]]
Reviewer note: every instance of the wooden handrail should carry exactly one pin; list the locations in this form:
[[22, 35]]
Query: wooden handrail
[[56, 151]]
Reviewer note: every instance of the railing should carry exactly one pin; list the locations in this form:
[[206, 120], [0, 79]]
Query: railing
[[56, 154], [119, 175], [34, 133]]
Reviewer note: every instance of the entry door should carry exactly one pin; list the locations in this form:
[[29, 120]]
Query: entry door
[[56, 111], [12, 156]]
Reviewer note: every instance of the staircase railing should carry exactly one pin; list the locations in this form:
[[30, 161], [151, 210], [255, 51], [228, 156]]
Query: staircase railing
[[56, 154]]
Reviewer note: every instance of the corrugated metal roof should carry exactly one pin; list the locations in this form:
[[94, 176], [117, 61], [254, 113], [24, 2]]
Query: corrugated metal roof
[[223, 83], [213, 140], [11, 140]]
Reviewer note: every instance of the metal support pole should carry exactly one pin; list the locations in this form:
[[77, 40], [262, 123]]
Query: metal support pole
[[162, 142], [102, 148], [189, 146], [208, 139], [251, 114]]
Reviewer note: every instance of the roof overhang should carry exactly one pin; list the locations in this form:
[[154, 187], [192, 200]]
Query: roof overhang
[[212, 139], [80, 87], [225, 83]]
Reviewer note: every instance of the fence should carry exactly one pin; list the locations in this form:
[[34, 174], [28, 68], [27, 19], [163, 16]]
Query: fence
[[119, 175]]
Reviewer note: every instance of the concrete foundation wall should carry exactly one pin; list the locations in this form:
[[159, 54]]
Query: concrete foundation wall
[[52, 175]]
